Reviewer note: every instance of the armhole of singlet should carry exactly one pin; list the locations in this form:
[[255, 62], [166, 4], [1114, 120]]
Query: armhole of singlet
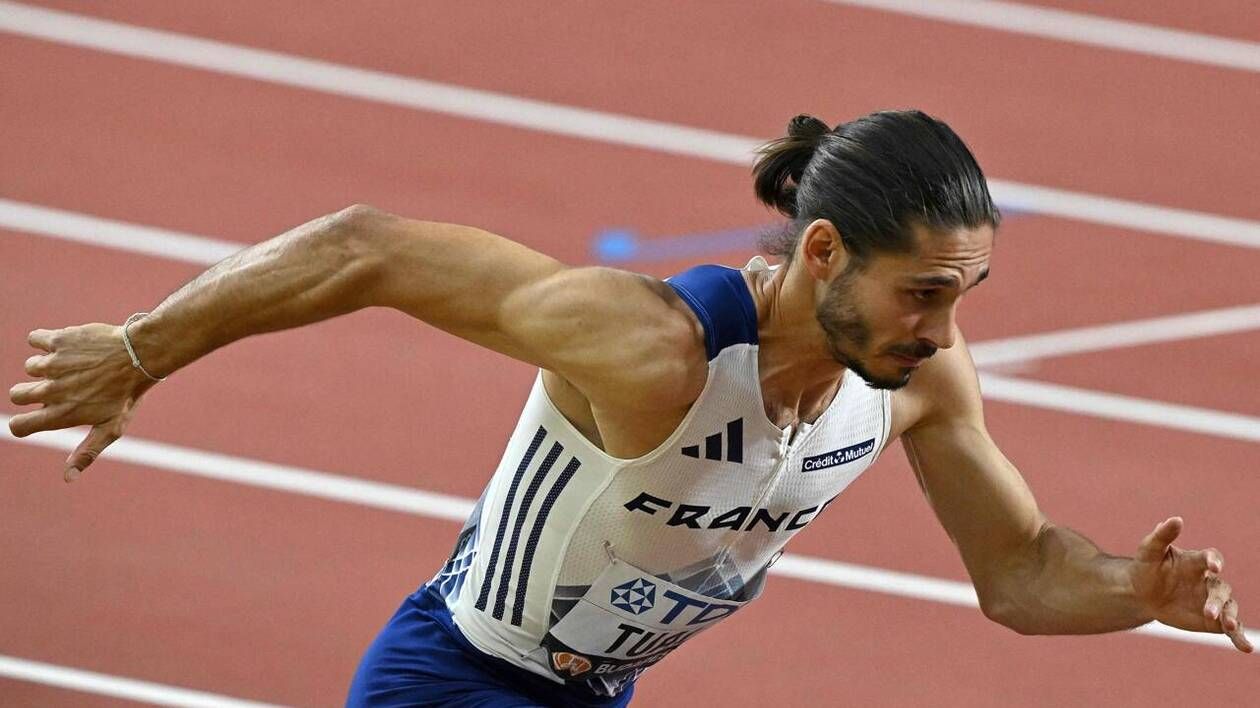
[[886, 420], [720, 298]]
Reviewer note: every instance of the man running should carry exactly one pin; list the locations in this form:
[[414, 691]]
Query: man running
[[679, 432]]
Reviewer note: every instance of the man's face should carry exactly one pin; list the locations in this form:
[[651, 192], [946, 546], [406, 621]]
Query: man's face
[[884, 319]]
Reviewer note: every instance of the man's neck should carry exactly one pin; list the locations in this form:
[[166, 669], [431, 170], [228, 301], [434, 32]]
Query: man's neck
[[798, 375]]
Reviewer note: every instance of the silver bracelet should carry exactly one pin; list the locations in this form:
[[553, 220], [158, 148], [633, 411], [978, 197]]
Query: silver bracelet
[[135, 360]]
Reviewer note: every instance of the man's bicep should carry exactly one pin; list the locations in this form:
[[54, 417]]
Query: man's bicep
[[594, 326], [454, 277]]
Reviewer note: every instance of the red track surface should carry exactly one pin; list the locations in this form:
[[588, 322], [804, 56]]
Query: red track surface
[[272, 596]]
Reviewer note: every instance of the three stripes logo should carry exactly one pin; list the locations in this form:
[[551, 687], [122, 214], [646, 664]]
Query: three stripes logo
[[713, 444], [516, 509]]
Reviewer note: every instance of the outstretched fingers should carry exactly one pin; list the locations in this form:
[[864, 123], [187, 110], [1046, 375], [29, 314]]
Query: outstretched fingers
[[1182, 579], [1221, 613]]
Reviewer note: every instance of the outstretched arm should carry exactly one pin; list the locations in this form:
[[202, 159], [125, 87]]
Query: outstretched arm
[[615, 335], [1032, 575]]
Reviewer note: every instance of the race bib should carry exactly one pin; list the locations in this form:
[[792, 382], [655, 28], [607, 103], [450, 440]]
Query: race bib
[[628, 620]]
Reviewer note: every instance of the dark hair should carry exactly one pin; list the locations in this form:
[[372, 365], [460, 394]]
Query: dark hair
[[874, 178]]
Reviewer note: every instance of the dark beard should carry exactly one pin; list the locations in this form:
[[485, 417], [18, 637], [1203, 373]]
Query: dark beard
[[842, 323]]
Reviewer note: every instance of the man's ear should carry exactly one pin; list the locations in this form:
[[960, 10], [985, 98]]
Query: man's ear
[[822, 251]]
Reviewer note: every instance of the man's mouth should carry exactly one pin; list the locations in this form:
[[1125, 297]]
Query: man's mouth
[[910, 361], [912, 356]]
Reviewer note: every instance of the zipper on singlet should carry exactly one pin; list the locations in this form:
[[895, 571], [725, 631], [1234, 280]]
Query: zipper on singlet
[[780, 464]]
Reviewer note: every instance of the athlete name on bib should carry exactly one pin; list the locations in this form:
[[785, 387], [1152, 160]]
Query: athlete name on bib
[[627, 621]]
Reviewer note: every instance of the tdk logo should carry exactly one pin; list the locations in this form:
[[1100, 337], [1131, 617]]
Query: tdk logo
[[838, 457], [636, 597]]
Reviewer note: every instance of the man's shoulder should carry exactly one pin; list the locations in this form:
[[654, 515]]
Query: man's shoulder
[[718, 299], [649, 352]]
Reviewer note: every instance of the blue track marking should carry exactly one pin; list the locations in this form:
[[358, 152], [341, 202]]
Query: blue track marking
[[623, 244]]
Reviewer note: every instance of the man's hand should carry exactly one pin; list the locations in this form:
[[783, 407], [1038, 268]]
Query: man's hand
[[85, 378], [1183, 588]]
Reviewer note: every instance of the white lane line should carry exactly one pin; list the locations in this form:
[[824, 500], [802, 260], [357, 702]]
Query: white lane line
[[1080, 340], [1080, 28], [119, 235], [116, 686], [1125, 214], [376, 495], [256, 473], [1111, 406], [394, 89], [553, 118]]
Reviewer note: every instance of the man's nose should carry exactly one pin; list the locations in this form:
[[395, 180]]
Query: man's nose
[[938, 328]]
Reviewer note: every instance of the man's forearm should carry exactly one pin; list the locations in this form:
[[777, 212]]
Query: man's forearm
[[312, 273], [1066, 585]]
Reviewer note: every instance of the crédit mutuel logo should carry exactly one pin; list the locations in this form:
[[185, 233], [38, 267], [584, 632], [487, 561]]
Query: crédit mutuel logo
[[838, 457]]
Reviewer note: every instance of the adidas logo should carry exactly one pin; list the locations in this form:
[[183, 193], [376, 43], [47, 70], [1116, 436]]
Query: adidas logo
[[713, 444]]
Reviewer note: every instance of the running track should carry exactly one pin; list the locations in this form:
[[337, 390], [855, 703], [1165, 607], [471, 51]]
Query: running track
[[270, 595]]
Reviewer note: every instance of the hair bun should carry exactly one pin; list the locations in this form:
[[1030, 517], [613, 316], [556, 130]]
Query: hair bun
[[781, 163], [807, 127]]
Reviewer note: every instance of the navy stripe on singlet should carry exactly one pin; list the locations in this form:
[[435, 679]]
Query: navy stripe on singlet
[[528, 501], [720, 298], [503, 518], [522, 581]]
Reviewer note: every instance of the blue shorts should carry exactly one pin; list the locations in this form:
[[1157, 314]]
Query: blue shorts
[[422, 659]]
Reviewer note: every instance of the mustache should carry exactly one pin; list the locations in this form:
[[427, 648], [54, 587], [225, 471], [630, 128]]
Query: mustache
[[919, 350]]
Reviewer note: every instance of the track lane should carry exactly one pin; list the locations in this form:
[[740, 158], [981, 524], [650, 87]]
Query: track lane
[[276, 157], [205, 596], [1200, 372], [1118, 131], [210, 586]]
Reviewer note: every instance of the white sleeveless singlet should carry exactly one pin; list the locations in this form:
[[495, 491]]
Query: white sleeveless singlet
[[586, 569]]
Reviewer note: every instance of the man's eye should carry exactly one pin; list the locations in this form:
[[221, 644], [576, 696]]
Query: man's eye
[[922, 295]]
